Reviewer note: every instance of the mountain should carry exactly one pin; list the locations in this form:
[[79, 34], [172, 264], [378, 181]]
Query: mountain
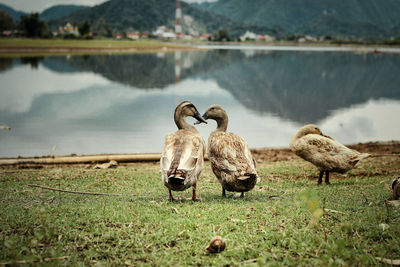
[[369, 19], [128, 15], [59, 11], [14, 13]]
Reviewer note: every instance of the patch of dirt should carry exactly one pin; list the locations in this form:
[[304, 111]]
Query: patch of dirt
[[284, 154], [260, 155]]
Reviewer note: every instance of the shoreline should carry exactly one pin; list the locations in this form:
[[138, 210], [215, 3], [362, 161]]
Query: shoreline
[[31, 47], [390, 148], [26, 47]]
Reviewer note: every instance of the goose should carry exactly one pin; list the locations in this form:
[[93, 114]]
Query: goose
[[327, 154], [230, 157], [182, 158]]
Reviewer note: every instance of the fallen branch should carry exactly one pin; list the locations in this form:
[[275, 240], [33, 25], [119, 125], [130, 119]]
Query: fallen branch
[[73, 192], [82, 159], [5, 128]]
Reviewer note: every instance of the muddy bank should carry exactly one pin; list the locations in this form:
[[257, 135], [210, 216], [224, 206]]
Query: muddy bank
[[260, 155], [282, 154]]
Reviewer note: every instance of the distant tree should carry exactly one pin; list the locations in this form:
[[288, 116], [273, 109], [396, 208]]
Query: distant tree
[[102, 29], [6, 21], [222, 36], [32, 26], [84, 28]]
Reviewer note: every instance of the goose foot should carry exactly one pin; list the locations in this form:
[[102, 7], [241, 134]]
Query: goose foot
[[194, 196], [327, 178], [321, 173], [171, 198]]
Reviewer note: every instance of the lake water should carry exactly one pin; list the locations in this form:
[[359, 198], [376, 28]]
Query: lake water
[[125, 103]]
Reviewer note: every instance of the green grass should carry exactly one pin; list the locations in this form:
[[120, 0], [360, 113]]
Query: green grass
[[278, 223], [106, 43], [17, 47]]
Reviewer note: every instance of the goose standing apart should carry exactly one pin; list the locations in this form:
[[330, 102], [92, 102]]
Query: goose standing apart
[[324, 152], [183, 155], [230, 157]]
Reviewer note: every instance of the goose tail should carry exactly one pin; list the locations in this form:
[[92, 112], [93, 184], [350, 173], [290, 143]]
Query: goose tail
[[247, 176]]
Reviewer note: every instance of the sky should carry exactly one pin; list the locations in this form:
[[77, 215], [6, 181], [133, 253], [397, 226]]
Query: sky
[[40, 5]]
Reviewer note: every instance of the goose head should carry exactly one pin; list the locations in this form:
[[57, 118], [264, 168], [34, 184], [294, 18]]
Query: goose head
[[183, 110], [217, 113], [308, 129]]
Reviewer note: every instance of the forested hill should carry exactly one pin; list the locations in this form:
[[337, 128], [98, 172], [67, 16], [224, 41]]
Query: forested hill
[[51, 13], [125, 15], [358, 18], [14, 13], [59, 11]]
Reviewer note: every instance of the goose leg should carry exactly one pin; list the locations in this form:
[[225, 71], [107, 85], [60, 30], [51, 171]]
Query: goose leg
[[242, 195], [327, 178], [171, 198], [223, 192], [194, 196], [321, 173]]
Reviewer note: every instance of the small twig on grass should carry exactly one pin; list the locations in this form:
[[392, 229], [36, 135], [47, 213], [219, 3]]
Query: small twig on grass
[[366, 199], [73, 192], [388, 211], [249, 261]]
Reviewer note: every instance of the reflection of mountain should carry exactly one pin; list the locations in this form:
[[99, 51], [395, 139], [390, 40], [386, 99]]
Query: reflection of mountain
[[297, 86], [5, 64], [305, 87], [141, 70]]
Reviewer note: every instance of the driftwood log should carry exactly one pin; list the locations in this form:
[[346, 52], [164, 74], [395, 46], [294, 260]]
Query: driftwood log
[[80, 159]]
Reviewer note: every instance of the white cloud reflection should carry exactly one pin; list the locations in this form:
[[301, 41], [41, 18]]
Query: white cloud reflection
[[84, 113], [17, 97]]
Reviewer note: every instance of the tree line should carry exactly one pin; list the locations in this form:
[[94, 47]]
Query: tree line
[[32, 26]]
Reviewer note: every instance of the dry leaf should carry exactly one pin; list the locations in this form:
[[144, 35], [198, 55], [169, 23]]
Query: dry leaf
[[175, 210], [334, 211]]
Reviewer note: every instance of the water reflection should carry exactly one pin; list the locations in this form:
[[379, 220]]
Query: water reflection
[[103, 104]]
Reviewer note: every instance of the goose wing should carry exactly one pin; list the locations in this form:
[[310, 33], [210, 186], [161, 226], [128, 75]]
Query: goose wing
[[182, 154], [326, 153], [229, 153]]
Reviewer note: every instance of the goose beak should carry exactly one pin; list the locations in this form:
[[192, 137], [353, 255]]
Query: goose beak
[[199, 119]]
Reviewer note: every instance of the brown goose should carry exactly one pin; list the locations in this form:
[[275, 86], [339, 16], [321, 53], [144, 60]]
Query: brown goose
[[324, 152], [230, 157], [183, 155]]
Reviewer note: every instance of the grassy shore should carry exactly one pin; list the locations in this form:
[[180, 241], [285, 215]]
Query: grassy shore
[[18, 46], [286, 220]]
